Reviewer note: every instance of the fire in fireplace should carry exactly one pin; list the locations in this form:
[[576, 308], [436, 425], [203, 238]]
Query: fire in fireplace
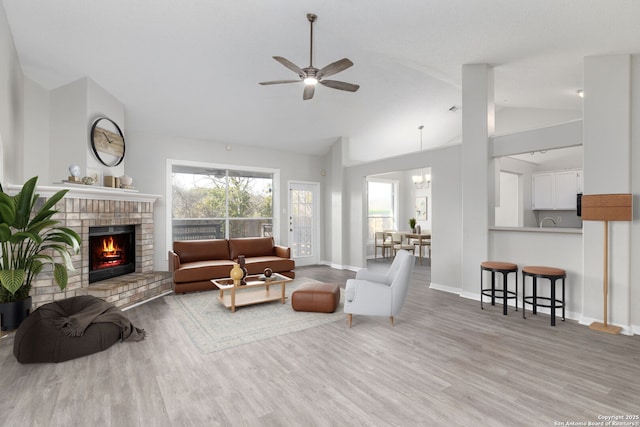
[[112, 251]]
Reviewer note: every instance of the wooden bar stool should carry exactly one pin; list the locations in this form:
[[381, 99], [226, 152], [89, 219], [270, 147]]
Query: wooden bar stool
[[498, 267], [553, 274]]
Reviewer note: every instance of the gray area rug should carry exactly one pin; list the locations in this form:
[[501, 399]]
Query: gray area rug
[[212, 327]]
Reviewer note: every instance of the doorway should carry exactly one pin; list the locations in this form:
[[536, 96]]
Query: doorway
[[304, 231]]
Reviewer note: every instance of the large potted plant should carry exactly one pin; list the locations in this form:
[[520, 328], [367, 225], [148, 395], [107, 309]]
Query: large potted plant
[[29, 239]]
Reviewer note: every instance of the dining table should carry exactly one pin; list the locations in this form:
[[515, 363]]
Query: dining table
[[420, 237]]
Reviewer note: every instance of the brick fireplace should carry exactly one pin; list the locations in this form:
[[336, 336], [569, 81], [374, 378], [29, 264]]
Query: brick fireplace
[[85, 207]]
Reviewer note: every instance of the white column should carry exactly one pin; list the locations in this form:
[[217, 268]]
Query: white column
[[478, 118], [607, 169]]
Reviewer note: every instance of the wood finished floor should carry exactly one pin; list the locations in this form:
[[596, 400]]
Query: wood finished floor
[[445, 363]]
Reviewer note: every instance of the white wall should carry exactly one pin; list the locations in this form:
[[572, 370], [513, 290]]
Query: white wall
[[447, 230], [332, 245], [508, 212], [513, 119], [36, 134], [101, 103], [11, 106], [74, 108], [147, 156], [68, 124]]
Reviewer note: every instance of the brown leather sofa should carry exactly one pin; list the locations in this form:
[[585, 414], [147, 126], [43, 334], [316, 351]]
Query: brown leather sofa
[[194, 263]]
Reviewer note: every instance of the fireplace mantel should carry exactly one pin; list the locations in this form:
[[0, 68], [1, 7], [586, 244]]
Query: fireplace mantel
[[92, 192]]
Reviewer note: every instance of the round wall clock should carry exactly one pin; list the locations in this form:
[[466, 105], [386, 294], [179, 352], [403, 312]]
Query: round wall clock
[[107, 142]]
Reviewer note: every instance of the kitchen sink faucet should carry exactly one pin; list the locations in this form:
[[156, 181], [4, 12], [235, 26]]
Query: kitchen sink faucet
[[548, 218]]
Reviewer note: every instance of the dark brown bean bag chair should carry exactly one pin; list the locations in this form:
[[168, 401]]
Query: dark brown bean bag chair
[[71, 328]]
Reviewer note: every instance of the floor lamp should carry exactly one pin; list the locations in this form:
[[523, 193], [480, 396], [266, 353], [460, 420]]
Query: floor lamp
[[606, 207]]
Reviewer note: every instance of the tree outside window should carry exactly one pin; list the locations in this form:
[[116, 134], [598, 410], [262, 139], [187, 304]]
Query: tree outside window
[[381, 202], [215, 204]]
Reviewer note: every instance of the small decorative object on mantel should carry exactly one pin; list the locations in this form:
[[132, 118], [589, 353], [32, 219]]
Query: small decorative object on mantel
[[74, 173], [88, 180], [126, 181], [109, 181]]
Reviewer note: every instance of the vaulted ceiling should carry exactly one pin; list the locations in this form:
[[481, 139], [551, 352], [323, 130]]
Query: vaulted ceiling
[[191, 68]]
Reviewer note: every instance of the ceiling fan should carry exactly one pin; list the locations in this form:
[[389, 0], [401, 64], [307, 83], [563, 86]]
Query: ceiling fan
[[311, 75]]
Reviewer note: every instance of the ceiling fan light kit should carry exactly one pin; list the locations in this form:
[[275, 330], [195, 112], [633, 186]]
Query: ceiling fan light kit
[[311, 76]]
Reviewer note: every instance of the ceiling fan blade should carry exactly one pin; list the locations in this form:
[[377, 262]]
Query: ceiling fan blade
[[335, 67], [277, 82], [308, 92], [290, 65], [334, 84]]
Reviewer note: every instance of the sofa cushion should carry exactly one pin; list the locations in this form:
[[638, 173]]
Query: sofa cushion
[[256, 265], [202, 270], [251, 247], [201, 250]]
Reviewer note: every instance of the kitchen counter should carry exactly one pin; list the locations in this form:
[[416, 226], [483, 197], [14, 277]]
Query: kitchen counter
[[565, 230]]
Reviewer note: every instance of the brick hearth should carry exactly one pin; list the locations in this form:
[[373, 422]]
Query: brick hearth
[[85, 207]]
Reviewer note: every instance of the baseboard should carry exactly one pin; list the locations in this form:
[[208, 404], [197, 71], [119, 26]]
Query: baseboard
[[147, 300], [445, 288], [626, 330], [341, 267]]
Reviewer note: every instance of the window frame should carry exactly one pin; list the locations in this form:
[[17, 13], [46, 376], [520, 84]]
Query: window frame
[[276, 192], [395, 186]]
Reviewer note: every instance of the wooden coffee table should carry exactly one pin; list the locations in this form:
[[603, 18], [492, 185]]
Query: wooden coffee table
[[256, 291]]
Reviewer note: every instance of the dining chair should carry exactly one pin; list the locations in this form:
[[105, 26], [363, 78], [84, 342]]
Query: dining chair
[[381, 242], [400, 242], [425, 243]]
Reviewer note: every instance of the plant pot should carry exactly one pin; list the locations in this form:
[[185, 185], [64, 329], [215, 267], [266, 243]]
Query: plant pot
[[13, 313]]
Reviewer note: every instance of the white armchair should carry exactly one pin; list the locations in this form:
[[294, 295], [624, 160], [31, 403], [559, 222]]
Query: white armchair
[[375, 294]]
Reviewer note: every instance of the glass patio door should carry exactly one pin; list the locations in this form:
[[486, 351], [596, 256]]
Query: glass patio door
[[303, 222]]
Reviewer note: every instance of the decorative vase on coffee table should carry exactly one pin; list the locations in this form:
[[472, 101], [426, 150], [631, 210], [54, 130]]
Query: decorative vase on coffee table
[[236, 274], [241, 262]]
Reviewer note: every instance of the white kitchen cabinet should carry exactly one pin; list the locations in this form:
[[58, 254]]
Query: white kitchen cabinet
[[556, 190], [543, 192]]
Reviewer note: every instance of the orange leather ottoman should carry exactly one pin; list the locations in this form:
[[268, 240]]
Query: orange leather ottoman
[[318, 297]]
